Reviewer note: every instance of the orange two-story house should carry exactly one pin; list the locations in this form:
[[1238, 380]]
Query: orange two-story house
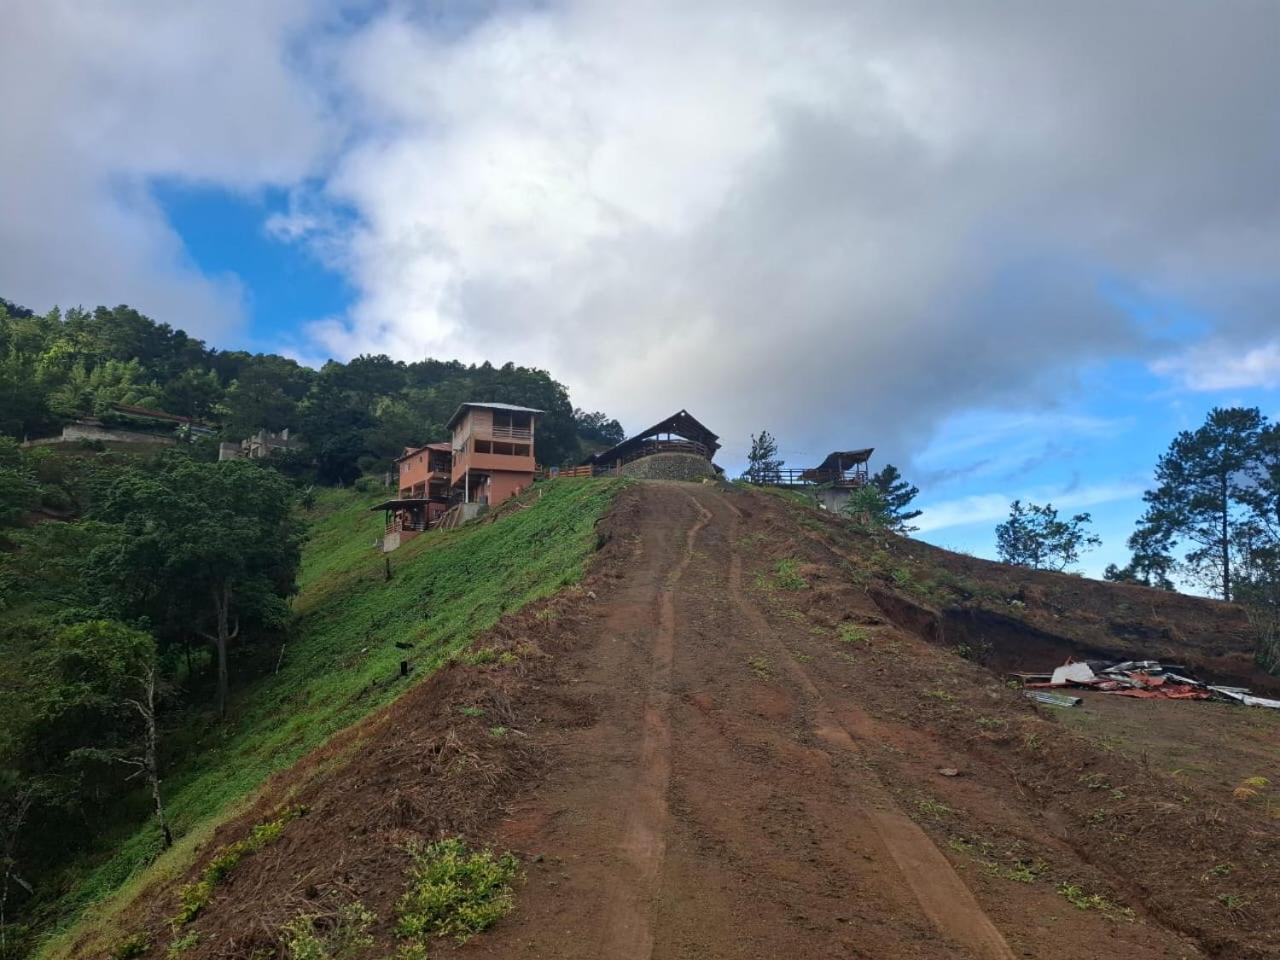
[[492, 451], [425, 475]]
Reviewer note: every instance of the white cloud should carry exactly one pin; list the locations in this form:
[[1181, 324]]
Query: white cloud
[[103, 98], [843, 222], [1223, 366]]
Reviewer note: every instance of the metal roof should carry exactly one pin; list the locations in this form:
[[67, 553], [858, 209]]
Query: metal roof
[[508, 407], [444, 446], [682, 423], [839, 459]]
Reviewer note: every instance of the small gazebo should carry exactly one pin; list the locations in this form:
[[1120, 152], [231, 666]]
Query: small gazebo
[[841, 468], [679, 433]]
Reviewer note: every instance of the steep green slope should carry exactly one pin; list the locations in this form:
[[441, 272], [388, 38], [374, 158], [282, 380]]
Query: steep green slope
[[341, 660]]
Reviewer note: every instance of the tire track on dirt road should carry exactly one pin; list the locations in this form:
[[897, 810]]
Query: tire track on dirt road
[[628, 932], [942, 895]]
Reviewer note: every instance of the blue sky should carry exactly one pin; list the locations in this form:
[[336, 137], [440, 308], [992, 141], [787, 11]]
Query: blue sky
[[284, 286], [1014, 249]]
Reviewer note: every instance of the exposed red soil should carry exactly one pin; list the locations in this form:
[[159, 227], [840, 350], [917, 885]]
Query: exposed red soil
[[700, 764], [1048, 613]]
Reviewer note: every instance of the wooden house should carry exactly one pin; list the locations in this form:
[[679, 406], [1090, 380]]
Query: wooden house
[[492, 450]]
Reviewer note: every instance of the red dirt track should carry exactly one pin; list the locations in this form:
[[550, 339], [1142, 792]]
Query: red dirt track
[[699, 768]]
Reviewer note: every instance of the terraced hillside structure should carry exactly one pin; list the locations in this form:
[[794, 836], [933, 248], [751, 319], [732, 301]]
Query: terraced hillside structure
[[753, 730]]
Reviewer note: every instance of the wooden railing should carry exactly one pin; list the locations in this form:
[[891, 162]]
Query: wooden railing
[[806, 477], [511, 433], [413, 526], [551, 473]]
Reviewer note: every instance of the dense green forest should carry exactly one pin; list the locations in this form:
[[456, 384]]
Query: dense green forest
[[146, 592], [352, 417]]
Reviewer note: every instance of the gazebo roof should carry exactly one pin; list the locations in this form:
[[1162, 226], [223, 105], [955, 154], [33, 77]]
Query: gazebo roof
[[682, 423], [843, 459]]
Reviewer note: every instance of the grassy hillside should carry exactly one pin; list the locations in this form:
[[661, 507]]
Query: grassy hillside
[[340, 661]]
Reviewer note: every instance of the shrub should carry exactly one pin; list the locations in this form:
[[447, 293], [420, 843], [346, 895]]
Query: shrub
[[454, 891], [319, 937]]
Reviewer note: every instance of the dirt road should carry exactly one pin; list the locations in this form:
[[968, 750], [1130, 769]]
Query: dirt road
[[741, 737], [724, 804]]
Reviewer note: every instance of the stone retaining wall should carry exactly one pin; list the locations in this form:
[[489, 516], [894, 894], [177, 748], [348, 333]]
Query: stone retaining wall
[[669, 466]]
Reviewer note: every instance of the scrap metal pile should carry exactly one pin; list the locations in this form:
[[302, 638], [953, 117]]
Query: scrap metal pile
[[1142, 679]]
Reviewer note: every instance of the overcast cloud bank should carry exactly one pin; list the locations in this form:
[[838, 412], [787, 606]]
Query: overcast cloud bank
[[841, 221]]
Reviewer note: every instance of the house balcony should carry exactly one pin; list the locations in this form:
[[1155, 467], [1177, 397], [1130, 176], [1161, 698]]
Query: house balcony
[[497, 432]]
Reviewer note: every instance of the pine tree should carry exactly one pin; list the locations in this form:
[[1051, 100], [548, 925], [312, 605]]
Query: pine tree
[[763, 463], [1151, 563], [1205, 495], [897, 495]]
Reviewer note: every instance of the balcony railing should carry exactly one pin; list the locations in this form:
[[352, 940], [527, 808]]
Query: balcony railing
[[398, 526], [511, 433], [807, 477]]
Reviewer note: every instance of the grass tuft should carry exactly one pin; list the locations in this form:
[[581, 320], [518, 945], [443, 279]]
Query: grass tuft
[[786, 575], [850, 633], [933, 809], [194, 897], [455, 891], [334, 937], [761, 666], [1081, 899]]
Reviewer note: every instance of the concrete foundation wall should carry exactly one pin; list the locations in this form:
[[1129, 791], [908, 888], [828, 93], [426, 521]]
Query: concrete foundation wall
[[73, 432], [834, 498]]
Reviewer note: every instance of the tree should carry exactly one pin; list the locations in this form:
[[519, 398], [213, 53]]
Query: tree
[[193, 393], [19, 489], [897, 495], [1260, 489], [336, 429], [597, 429], [148, 763], [94, 390], [868, 508], [763, 463], [1203, 493], [258, 399], [202, 548], [351, 417], [1151, 564], [16, 796], [1033, 536]]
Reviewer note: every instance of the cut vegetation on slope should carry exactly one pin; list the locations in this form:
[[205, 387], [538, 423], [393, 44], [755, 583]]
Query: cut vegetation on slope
[[342, 659]]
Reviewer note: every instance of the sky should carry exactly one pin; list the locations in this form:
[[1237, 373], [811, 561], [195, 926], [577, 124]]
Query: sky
[[1014, 247]]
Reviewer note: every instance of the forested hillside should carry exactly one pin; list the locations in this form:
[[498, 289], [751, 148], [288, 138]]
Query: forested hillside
[[353, 417], [173, 628]]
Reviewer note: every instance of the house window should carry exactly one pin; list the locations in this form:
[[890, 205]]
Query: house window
[[521, 450], [483, 446], [506, 422]]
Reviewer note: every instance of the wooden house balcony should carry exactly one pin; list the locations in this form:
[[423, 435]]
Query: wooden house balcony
[[497, 432]]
